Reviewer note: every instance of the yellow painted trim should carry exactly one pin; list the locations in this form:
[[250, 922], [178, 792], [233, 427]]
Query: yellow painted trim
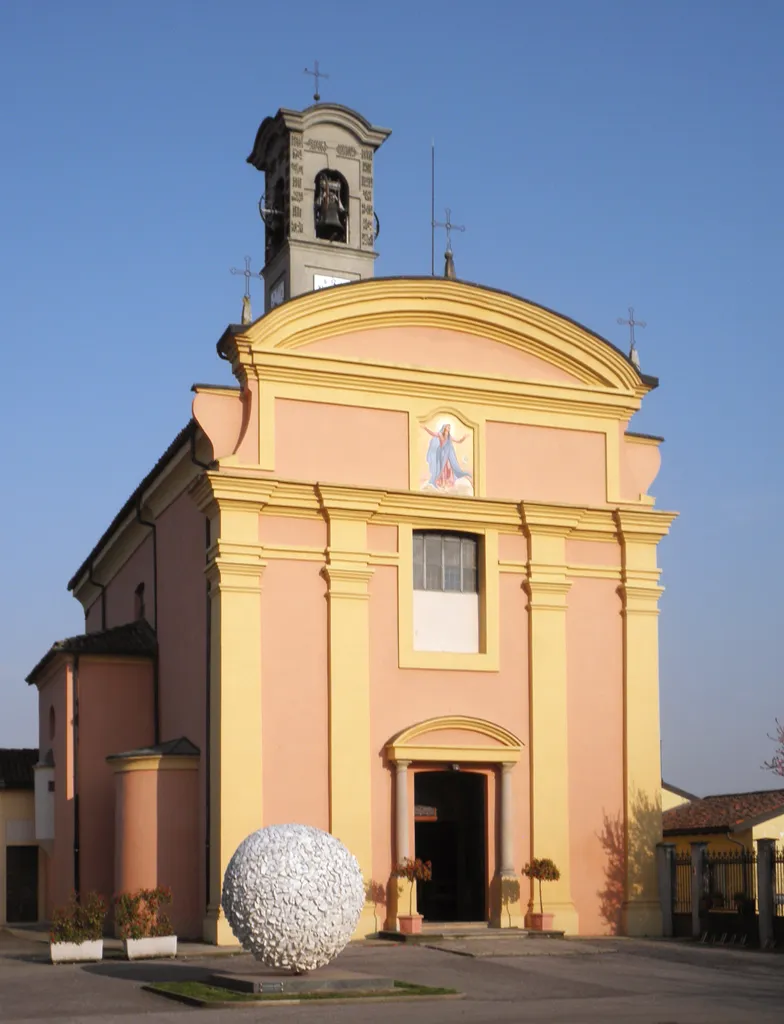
[[456, 753], [266, 424], [154, 763], [434, 302], [507, 740], [488, 659]]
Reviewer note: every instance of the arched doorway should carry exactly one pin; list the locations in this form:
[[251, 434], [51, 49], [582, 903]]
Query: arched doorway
[[454, 806]]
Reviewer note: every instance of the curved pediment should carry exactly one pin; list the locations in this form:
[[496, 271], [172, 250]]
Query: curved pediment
[[455, 738], [518, 329]]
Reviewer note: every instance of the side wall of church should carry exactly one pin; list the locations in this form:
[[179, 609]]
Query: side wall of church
[[55, 708]]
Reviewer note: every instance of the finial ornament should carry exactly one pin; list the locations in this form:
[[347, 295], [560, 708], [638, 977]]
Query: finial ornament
[[247, 273], [632, 323], [316, 75]]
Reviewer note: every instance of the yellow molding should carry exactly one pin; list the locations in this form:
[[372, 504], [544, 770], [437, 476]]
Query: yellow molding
[[447, 304], [454, 754], [497, 733], [154, 763]]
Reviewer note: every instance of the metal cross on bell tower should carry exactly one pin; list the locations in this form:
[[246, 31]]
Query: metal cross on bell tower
[[247, 273], [316, 75], [632, 323]]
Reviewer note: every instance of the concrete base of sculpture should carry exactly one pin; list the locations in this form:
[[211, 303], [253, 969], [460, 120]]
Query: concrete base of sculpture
[[265, 980]]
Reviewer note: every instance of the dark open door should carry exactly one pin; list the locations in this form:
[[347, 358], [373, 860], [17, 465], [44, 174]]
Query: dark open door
[[21, 898]]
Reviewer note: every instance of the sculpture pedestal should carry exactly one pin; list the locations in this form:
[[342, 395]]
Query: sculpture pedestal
[[261, 979]]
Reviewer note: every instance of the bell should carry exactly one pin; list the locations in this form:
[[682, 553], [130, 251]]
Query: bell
[[329, 225]]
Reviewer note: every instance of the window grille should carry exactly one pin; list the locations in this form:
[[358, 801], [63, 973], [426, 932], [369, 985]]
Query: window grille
[[445, 562]]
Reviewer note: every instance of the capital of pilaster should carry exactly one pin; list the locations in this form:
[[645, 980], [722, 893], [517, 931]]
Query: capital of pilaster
[[235, 567], [643, 525], [219, 489], [547, 594], [347, 582], [348, 502], [549, 520], [640, 598]]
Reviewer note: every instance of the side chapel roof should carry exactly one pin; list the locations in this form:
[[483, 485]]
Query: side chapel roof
[[133, 640]]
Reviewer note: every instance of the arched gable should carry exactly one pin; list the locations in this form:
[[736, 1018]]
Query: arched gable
[[448, 305], [458, 738]]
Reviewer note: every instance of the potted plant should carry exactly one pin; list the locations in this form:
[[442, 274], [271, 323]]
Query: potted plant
[[143, 924], [413, 871], [541, 869], [76, 932]]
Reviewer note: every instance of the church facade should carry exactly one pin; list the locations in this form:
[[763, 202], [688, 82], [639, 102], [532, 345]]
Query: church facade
[[399, 582]]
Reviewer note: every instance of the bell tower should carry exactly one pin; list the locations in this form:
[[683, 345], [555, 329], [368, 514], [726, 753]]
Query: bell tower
[[320, 224]]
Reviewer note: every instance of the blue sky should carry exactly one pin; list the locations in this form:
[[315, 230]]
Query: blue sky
[[602, 153]]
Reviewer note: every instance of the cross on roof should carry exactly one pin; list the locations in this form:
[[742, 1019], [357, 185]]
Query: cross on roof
[[247, 273], [632, 323], [316, 74], [450, 227]]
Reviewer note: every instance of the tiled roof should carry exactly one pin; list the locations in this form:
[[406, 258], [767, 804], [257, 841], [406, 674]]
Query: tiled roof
[[133, 640], [724, 813], [16, 767], [181, 747]]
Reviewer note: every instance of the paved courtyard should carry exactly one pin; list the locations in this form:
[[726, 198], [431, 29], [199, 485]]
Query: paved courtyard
[[646, 982]]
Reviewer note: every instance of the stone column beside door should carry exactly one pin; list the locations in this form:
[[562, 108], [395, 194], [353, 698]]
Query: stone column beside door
[[505, 909]]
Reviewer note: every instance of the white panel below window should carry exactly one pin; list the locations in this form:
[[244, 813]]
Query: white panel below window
[[20, 830], [446, 622]]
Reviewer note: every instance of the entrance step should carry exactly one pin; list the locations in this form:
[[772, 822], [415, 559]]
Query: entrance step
[[432, 931]]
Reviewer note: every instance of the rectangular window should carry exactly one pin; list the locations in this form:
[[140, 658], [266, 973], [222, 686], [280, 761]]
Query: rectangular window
[[445, 562], [446, 602]]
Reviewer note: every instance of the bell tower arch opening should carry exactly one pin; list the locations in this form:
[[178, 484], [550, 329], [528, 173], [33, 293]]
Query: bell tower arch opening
[[331, 206]]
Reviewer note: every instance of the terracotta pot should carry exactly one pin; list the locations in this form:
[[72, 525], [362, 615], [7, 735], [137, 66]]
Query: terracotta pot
[[540, 922], [410, 924]]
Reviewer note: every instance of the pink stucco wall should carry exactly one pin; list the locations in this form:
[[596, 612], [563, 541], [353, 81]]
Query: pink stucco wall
[[115, 714], [120, 592], [55, 691], [545, 464], [402, 697], [341, 444], [156, 830], [294, 685], [640, 463], [595, 726], [438, 349]]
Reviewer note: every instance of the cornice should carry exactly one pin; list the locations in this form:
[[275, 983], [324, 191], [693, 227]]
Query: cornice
[[342, 502], [338, 374], [643, 525]]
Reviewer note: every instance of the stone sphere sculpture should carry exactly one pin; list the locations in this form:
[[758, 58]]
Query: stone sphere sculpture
[[292, 895]]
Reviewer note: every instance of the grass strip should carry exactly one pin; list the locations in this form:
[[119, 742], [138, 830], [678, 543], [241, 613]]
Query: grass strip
[[197, 993]]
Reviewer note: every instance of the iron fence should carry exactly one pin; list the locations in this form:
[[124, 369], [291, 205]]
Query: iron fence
[[731, 882], [681, 886]]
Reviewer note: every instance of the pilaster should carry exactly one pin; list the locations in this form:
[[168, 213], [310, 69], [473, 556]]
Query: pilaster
[[234, 570], [547, 585], [348, 572], [639, 532]]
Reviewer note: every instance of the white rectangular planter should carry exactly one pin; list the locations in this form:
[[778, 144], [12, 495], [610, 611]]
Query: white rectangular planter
[[74, 952], [146, 949]]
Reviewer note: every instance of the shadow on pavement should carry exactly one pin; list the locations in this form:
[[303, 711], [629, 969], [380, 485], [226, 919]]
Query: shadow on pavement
[[147, 971]]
